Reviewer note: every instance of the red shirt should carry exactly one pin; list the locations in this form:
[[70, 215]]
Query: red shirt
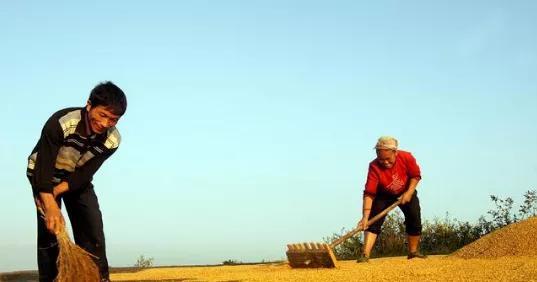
[[392, 180]]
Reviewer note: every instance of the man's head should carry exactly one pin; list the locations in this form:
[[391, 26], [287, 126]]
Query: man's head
[[386, 151], [106, 104]]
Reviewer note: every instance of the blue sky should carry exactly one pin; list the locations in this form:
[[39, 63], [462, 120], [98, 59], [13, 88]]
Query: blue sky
[[251, 123]]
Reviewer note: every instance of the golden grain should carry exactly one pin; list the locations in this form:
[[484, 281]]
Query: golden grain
[[434, 268], [509, 254], [518, 239]]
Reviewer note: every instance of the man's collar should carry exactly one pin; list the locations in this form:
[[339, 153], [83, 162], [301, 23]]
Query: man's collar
[[83, 128]]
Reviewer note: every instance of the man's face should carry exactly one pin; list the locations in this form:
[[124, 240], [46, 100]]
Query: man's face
[[100, 118], [386, 158]]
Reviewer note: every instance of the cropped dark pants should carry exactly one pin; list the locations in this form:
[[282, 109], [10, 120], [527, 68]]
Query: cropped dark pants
[[411, 210], [87, 225]]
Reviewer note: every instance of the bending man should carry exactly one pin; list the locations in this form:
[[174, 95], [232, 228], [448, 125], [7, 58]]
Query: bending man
[[73, 144]]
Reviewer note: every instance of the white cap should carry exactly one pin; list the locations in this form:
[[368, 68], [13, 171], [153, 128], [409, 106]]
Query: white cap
[[386, 143]]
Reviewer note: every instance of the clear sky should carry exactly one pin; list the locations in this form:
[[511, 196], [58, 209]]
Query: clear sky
[[251, 123]]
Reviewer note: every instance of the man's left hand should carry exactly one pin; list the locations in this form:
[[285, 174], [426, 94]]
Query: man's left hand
[[60, 189]]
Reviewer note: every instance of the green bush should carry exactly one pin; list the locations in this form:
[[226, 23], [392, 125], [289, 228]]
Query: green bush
[[349, 249], [231, 262], [143, 262], [392, 240]]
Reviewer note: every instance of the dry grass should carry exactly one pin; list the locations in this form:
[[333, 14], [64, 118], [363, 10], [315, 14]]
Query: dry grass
[[74, 263]]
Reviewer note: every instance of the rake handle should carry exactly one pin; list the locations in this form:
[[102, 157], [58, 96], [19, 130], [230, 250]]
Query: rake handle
[[371, 221]]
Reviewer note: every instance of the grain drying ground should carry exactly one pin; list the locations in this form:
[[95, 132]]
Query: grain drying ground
[[507, 254], [434, 268]]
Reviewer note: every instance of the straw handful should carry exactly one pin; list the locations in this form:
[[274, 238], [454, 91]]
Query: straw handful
[[74, 263]]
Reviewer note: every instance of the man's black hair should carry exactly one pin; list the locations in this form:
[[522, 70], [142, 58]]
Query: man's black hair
[[108, 95]]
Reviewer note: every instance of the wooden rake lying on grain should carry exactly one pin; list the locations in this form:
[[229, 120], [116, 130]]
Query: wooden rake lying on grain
[[314, 255], [74, 263]]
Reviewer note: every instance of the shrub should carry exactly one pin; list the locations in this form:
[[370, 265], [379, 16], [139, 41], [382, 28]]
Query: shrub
[[143, 262], [529, 206], [349, 249], [231, 262]]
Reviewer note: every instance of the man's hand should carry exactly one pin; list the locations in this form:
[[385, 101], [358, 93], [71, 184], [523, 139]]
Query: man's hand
[[406, 197], [53, 216], [60, 189], [54, 220]]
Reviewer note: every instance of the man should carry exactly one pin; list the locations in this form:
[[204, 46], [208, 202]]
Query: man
[[74, 143], [393, 174]]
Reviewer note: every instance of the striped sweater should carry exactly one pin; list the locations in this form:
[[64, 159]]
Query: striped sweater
[[65, 152]]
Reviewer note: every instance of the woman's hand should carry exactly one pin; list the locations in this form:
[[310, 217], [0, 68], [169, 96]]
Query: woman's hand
[[362, 224], [406, 197]]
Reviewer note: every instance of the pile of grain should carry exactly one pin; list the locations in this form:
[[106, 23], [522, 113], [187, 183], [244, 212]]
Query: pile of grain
[[518, 239]]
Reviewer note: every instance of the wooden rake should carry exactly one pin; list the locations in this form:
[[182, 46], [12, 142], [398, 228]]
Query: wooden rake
[[315, 255]]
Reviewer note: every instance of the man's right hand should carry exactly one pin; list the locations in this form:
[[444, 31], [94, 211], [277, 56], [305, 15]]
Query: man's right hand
[[53, 216]]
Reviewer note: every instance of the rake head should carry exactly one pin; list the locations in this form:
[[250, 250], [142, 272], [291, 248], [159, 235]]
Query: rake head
[[310, 255], [315, 255]]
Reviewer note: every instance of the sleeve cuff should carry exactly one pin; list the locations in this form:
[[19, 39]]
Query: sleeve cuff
[[45, 189]]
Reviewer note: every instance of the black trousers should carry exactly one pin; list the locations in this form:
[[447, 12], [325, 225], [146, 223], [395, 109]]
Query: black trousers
[[87, 225], [411, 210]]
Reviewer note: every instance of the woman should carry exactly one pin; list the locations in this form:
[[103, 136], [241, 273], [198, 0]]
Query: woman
[[393, 174]]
